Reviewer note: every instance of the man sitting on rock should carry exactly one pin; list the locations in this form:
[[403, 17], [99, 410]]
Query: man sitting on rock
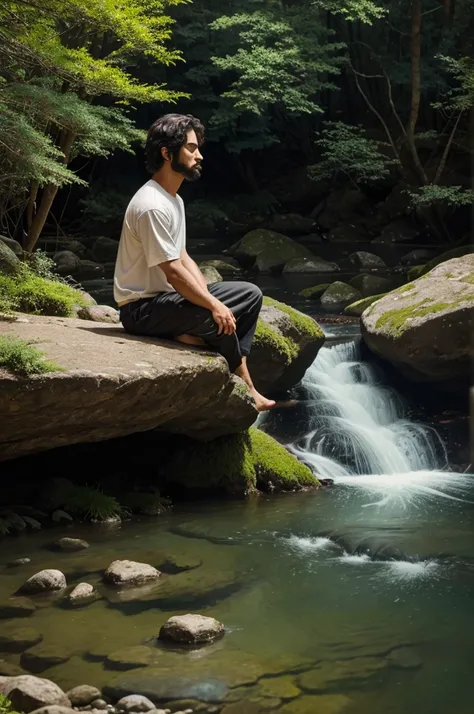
[[159, 289]]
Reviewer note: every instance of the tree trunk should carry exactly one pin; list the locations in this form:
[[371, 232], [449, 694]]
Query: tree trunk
[[48, 195], [415, 53]]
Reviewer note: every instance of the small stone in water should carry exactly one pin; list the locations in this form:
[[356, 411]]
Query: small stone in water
[[128, 572], [135, 703], [82, 592], [19, 640], [191, 629], [19, 561], [60, 515], [99, 704], [43, 581], [71, 544], [404, 658]]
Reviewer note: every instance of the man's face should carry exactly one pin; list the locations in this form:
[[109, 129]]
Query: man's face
[[188, 161]]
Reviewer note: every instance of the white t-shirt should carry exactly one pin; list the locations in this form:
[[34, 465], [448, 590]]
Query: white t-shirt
[[153, 232]]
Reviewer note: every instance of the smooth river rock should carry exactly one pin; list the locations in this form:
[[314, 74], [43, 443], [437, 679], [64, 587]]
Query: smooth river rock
[[44, 581], [83, 695], [191, 629], [28, 693], [129, 572]]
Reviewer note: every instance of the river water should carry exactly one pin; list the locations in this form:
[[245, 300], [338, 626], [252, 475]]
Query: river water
[[356, 598]]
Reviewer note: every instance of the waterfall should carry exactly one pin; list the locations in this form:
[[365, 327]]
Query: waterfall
[[358, 434]]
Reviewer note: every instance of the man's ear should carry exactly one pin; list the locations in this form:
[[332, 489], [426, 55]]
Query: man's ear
[[165, 154]]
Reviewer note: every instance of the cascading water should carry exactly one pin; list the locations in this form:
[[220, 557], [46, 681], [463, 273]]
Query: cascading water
[[358, 435]]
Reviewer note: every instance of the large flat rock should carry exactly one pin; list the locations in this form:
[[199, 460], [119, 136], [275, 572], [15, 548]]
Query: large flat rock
[[114, 384]]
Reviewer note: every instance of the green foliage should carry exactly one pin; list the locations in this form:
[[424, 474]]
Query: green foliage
[[104, 205], [42, 265], [448, 195], [22, 359], [91, 503], [363, 10], [6, 707], [68, 85], [31, 293], [346, 149]]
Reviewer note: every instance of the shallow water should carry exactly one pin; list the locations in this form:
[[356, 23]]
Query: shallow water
[[356, 598]]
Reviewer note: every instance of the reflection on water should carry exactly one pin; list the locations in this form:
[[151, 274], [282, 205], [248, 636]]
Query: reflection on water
[[353, 599]]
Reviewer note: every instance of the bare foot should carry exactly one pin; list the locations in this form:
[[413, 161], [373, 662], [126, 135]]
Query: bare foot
[[190, 340], [261, 402]]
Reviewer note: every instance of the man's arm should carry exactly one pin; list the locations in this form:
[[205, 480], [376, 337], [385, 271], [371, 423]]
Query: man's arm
[[193, 268], [190, 287]]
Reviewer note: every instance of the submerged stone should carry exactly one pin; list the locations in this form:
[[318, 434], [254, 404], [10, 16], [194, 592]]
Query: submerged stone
[[129, 572], [41, 657], [130, 658], [20, 639]]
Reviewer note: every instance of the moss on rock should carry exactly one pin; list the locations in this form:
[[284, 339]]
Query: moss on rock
[[398, 320], [304, 326], [359, 306], [237, 465], [315, 292], [26, 292], [20, 357], [418, 270]]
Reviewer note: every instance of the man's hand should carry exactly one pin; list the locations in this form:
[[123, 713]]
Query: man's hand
[[224, 318]]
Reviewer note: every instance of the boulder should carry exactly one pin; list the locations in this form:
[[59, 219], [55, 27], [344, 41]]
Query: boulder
[[267, 250], [356, 308], [105, 249], [370, 285], [114, 384], [129, 572], [458, 252], [315, 292], [399, 231], [89, 270], [71, 544], [341, 206], [338, 295], [310, 265], [28, 693], [211, 274], [13, 245], [348, 233], [235, 466], [222, 267], [286, 343], [99, 313], [366, 261], [191, 629], [417, 256], [425, 328], [83, 695], [9, 262], [291, 224], [67, 262], [44, 581]]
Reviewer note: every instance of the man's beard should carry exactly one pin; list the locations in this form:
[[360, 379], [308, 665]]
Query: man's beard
[[190, 174]]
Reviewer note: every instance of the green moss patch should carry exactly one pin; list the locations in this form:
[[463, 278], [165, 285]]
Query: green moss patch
[[21, 358], [30, 293], [238, 465], [359, 306], [305, 326], [395, 322], [315, 292]]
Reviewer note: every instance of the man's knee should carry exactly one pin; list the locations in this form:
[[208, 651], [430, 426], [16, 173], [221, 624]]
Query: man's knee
[[251, 292]]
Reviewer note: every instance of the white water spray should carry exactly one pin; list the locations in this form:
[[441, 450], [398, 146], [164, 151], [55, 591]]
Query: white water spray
[[359, 437]]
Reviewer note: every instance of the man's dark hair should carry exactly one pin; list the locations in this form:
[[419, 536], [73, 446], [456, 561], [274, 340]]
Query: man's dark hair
[[169, 131]]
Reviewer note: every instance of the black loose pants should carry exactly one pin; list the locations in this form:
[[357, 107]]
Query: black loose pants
[[168, 315]]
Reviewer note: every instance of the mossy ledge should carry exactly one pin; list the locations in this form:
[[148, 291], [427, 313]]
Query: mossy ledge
[[396, 321], [305, 327], [27, 292], [238, 465]]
